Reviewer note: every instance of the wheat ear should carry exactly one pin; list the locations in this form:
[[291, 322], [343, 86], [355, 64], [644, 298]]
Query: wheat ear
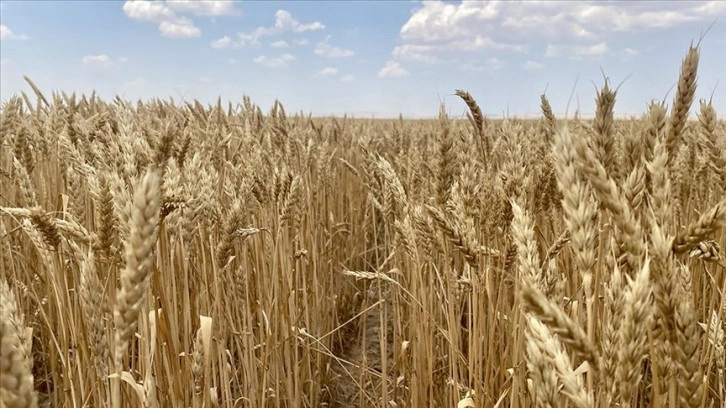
[[135, 277]]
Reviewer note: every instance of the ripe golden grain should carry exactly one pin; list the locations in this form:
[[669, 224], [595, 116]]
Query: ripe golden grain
[[204, 256]]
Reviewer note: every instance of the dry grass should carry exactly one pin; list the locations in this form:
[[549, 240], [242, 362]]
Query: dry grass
[[161, 255]]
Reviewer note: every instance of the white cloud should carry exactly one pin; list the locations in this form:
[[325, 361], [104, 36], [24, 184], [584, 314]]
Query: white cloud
[[439, 21], [576, 50], [301, 42], [7, 34], [432, 53], [324, 49], [329, 71], [532, 65], [220, 43], [103, 61], [99, 61], [184, 28], [550, 26], [210, 8], [153, 11], [347, 79], [253, 38], [275, 62], [284, 21], [609, 17], [483, 42], [436, 28], [171, 24], [279, 44], [392, 69], [629, 52], [712, 8]]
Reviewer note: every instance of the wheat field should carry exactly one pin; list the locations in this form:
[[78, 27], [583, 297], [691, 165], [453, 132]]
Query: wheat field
[[180, 255]]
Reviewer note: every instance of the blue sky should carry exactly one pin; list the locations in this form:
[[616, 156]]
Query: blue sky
[[364, 58]]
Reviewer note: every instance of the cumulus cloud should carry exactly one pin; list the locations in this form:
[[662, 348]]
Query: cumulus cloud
[[212, 8], [274, 62], [438, 27], [324, 49], [220, 43], [432, 53], [152, 11], [483, 42], [284, 22], [7, 34], [436, 20], [549, 26], [102, 61], [532, 65], [328, 71], [610, 17], [183, 28], [392, 69], [577, 50], [441, 21], [712, 8], [168, 14], [347, 79], [280, 44], [253, 37]]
